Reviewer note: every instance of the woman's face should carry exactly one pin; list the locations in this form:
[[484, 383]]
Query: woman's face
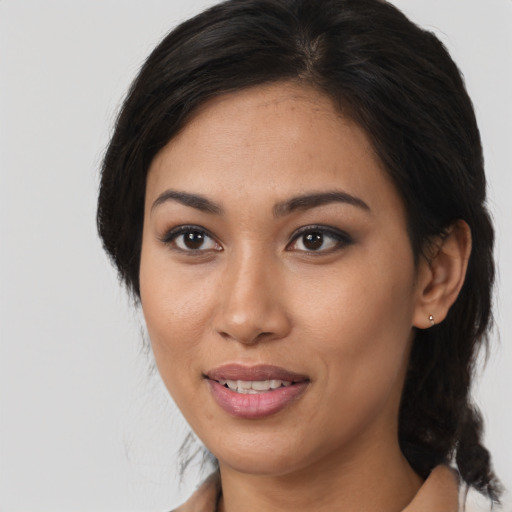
[[276, 262]]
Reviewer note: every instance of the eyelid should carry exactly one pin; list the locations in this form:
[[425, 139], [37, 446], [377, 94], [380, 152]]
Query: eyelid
[[341, 236], [172, 234]]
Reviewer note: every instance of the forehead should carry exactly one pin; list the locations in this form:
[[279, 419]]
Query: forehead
[[277, 140]]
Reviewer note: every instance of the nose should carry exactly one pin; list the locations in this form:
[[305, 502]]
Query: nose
[[252, 301]]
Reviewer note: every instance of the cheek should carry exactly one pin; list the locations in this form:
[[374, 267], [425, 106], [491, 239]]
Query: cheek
[[176, 307], [359, 298], [359, 323]]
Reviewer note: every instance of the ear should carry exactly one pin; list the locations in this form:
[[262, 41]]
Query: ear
[[441, 275]]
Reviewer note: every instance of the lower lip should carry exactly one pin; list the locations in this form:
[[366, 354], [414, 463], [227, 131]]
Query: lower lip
[[258, 405]]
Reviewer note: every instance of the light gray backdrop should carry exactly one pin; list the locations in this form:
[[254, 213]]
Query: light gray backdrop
[[83, 426]]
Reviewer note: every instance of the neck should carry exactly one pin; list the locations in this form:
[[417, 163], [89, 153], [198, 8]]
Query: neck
[[374, 479]]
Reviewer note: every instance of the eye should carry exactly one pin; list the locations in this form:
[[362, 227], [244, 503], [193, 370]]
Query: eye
[[319, 239], [191, 239]]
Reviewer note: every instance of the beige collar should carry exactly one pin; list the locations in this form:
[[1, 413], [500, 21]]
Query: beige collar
[[439, 493]]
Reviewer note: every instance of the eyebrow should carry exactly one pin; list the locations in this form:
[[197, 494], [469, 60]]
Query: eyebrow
[[193, 200], [304, 202], [308, 201]]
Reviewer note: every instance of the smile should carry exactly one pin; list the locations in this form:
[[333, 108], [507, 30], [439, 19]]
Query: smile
[[253, 392], [252, 387]]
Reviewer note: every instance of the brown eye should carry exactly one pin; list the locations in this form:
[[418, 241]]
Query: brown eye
[[313, 241], [193, 240], [190, 239], [319, 239]]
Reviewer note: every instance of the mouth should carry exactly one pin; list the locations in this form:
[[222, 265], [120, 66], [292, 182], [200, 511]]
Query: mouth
[[255, 391], [253, 387]]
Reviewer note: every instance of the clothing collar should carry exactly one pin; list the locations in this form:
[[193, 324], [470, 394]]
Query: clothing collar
[[438, 493]]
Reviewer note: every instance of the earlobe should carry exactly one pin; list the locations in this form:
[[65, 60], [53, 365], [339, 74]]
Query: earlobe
[[441, 276]]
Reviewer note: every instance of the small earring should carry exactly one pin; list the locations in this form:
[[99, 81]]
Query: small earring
[[431, 320]]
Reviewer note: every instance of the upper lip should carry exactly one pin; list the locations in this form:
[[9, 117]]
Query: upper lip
[[254, 373]]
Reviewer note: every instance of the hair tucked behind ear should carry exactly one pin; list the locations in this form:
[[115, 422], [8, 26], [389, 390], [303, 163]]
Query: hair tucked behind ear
[[399, 83]]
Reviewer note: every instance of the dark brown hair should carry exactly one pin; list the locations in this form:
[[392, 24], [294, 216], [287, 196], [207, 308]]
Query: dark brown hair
[[400, 84]]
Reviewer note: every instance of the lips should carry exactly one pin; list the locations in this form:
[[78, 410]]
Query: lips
[[255, 391], [250, 373]]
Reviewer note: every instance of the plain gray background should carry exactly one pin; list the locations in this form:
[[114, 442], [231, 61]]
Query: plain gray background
[[84, 425]]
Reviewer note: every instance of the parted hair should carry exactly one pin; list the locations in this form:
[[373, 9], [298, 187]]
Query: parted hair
[[398, 82]]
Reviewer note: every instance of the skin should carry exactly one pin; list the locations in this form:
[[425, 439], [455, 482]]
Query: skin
[[255, 293]]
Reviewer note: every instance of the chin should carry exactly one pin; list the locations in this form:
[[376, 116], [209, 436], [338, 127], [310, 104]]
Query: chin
[[260, 464], [261, 455]]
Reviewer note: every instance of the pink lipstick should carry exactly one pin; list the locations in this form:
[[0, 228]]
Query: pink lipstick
[[253, 392]]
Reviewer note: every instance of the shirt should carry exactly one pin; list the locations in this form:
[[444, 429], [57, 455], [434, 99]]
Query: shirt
[[439, 493]]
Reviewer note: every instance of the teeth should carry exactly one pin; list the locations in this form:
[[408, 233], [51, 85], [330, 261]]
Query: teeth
[[253, 387], [244, 384], [232, 385], [260, 385]]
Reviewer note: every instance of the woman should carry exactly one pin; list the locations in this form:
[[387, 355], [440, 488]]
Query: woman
[[295, 193]]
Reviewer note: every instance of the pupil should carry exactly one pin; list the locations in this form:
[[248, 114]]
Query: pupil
[[194, 239], [313, 241]]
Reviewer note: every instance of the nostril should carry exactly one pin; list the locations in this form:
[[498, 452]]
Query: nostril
[[249, 312]]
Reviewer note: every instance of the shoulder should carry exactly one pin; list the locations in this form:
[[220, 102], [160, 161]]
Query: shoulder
[[438, 492]]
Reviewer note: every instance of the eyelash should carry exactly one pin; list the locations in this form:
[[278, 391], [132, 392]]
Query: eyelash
[[341, 238], [170, 238]]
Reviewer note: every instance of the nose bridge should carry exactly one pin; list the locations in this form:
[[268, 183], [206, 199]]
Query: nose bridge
[[251, 307]]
